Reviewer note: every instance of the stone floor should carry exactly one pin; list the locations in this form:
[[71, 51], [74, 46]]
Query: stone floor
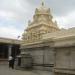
[[4, 70]]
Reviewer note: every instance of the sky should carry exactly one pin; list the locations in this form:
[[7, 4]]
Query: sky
[[14, 15]]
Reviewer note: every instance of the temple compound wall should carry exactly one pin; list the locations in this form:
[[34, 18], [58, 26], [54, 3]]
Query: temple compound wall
[[65, 61], [43, 57], [65, 57]]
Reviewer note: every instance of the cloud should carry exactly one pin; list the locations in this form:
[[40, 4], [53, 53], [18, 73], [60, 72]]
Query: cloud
[[61, 7], [10, 31], [20, 8], [67, 21], [13, 17], [7, 15], [14, 14]]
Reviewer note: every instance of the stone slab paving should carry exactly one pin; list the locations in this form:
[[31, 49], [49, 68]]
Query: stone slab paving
[[4, 70]]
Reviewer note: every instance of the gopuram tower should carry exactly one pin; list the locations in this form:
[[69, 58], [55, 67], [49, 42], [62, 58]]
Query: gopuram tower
[[42, 24]]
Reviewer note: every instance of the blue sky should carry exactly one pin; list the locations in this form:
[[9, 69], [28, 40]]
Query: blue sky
[[14, 15]]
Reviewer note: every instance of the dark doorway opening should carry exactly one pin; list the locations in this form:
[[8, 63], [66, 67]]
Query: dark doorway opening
[[15, 50], [3, 51]]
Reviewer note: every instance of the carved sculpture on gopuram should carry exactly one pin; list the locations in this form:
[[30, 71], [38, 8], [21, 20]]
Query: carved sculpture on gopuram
[[42, 24]]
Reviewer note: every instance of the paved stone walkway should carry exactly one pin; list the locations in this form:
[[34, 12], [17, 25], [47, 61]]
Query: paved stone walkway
[[4, 70]]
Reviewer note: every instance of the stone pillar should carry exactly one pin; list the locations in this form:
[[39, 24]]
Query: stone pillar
[[9, 50]]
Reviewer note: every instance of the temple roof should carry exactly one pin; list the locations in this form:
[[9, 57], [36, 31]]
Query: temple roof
[[10, 41]]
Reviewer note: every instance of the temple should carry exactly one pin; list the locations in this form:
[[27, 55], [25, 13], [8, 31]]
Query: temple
[[46, 47]]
